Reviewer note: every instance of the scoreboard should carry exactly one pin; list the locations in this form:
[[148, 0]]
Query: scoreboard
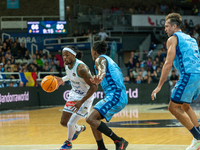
[[47, 27]]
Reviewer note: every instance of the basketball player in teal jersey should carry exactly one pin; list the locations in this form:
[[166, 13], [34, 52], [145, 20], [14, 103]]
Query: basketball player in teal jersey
[[111, 79], [81, 95], [183, 53]]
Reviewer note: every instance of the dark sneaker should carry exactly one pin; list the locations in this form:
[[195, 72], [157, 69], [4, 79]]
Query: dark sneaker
[[121, 145], [66, 146], [76, 134]]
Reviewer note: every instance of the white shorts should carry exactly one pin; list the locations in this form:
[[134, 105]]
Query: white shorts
[[84, 109]]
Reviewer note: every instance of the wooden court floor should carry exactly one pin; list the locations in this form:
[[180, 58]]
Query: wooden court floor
[[146, 127]]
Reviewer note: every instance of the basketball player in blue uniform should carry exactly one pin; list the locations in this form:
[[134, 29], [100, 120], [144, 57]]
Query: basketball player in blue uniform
[[111, 79], [183, 53]]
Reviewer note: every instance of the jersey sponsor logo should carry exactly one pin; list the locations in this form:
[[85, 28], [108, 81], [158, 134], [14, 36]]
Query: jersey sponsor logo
[[79, 92], [74, 74], [75, 82]]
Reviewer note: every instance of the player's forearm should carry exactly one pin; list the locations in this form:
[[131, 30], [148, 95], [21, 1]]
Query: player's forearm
[[65, 78], [165, 72], [90, 92]]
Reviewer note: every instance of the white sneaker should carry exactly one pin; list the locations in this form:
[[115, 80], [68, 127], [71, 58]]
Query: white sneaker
[[195, 145]]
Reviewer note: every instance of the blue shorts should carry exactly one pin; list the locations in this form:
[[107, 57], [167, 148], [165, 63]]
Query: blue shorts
[[112, 103], [186, 89]]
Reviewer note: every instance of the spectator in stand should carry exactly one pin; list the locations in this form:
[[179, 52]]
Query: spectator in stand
[[8, 64], [187, 27], [44, 59], [23, 49], [18, 44], [12, 84], [163, 35], [8, 55], [76, 33], [53, 66], [149, 62], [41, 53], [114, 8], [135, 73], [49, 58], [11, 42], [14, 49], [153, 67], [135, 58], [82, 32], [27, 56], [19, 54], [4, 47], [163, 7], [32, 58], [195, 10], [36, 52], [7, 42], [173, 78], [159, 56], [91, 10], [106, 11], [156, 74], [130, 66], [157, 9], [195, 34], [9, 76], [12, 61], [138, 79], [143, 71], [55, 60], [148, 78], [39, 61]]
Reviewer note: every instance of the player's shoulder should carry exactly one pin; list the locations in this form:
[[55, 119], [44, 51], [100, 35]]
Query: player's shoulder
[[172, 40]]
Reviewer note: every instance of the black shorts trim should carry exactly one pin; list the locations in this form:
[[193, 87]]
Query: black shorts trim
[[176, 102]]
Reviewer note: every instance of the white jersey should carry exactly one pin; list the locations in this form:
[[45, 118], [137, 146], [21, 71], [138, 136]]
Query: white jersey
[[78, 91], [79, 86]]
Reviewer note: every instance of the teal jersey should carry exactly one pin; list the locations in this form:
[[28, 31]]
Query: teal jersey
[[187, 59], [114, 77]]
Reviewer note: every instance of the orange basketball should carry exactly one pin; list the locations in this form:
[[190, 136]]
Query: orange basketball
[[49, 83]]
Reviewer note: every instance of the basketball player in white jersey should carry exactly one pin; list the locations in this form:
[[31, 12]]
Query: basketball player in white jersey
[[81, 95]]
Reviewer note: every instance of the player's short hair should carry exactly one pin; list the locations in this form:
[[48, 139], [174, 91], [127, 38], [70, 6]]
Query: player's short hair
[[79, 54], [100, 47], [175, 18]]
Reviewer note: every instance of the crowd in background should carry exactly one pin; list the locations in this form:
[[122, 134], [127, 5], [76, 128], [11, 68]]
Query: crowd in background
[[15, 57], [162, 8], [149, 71]]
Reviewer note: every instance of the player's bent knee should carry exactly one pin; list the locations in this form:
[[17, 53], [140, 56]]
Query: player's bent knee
[[89, 120], [63, 123]]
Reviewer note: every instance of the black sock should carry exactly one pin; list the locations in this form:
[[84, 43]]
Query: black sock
[[103, 128], [195, 133], [198, 128], [101, 145]]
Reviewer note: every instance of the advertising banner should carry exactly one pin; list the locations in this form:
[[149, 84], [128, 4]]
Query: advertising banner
[[12, 98], [159, 20], [137, 94]]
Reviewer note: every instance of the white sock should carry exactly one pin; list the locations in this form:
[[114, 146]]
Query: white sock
[[78, 128], [71, 126]]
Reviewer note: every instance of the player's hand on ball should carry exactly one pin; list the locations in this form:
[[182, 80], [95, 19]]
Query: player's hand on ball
[[59, 80]]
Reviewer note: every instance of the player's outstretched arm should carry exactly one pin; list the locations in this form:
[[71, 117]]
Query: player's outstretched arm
[[101, 64], [171, 52]]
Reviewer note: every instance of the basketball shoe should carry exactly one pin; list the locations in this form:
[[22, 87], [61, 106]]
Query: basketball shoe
[[195, 145], [66, 146], [121, 145], [76, 134]]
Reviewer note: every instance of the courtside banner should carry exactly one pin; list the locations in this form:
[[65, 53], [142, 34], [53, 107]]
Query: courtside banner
[[159, 20], [136, 93], [18, 97]]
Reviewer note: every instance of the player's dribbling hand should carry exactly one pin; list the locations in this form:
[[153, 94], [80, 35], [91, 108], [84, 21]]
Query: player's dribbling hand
[[96, 79], [76, 106], [155, 91], [59, 80]]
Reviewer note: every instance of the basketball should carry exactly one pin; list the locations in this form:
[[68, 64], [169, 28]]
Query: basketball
[[49, 83]]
